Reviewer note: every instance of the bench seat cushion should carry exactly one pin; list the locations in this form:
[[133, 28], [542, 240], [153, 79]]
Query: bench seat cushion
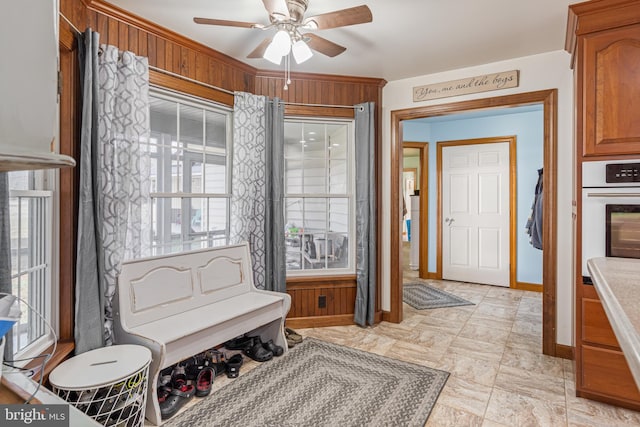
[[172, 328]]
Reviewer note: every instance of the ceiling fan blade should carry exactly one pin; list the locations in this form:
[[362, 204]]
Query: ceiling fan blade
[[323, 45], [277, 8], [258, 52], [339, 18], [225, 23]]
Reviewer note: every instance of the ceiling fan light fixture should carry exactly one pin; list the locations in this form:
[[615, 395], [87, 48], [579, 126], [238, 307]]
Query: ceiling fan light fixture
[[282, 42], [310, 24], [301, 52], [272, 54]]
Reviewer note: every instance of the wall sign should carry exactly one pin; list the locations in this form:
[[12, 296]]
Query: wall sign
[[484, 83]]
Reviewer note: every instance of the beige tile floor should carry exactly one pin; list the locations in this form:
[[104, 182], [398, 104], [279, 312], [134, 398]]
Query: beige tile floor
[[493, 351], [499, 376]]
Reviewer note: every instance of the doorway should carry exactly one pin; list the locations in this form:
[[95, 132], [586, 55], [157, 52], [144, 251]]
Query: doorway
[[420, 204], [548, 99]]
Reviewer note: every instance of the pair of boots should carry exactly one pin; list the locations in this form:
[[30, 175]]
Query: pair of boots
[[254, 348]]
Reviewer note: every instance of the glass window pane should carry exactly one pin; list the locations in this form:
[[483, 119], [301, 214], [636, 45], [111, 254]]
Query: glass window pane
[[293, 176], [317, 163], [167, 224], [293, 139], [292, 232], [21, 180], [315, 215], [194, 172], [216, 132], [218, 219], [215, 174], [189, 151], [338, 214], [315, 134], [191, 127], [314, 176], [315, 149], [338, 177], [163, 115], [30, 219]]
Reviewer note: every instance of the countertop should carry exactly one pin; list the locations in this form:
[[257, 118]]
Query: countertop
[[617, 282]]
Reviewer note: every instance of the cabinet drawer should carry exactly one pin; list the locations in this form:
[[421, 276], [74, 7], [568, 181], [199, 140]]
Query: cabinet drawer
[[606, 371], [595, 325]]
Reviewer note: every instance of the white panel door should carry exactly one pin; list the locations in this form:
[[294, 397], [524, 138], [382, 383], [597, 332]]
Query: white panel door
[[475, 213]]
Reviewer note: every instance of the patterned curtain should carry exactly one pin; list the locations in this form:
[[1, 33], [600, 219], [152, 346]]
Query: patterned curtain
[[365, 214], [114, 186], [257, 189]]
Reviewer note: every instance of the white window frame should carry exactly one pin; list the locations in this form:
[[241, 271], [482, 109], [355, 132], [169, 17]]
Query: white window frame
[[47, 306], [351, 189], [206, 105]]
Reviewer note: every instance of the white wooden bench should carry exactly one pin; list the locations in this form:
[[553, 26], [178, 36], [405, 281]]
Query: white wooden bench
[[182, 304]]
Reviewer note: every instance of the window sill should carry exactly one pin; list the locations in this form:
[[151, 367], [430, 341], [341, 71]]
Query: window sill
[[303, 282], [63, 351]]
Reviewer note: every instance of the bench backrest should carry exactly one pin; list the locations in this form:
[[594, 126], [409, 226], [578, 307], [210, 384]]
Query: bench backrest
[[156, 287]]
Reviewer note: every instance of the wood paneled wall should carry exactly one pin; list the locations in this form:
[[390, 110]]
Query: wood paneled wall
[[339, 294], [319, 94], [165, 49]]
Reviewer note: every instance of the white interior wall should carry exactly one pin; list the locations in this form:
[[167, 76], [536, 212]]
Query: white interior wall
[[537, 72]]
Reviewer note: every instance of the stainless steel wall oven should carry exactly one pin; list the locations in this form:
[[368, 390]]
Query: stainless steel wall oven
[[610, 210]]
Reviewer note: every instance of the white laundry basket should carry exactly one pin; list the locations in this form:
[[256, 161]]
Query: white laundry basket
[[108, 384]]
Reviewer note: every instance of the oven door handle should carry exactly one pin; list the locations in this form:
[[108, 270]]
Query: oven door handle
[[620, 195]]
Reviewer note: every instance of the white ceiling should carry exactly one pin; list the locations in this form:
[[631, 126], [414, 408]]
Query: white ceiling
[[407, 38]]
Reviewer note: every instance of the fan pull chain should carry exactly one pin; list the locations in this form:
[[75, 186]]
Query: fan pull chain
[[287, 64]]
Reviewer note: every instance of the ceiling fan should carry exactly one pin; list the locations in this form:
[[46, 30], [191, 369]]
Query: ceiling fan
[[287, 16]]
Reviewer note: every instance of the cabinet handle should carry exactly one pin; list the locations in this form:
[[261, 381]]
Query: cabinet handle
[[613, 194]]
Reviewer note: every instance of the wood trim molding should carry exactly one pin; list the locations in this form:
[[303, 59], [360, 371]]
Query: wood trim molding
[[395, 298], [318, 111], [11, 393], [158, 78], [565, 351], [423, 263], [548, 98], [69, 139], [369, 81], [512, 198], [311, 282], [324, 321], [320, 321], [524, 286]]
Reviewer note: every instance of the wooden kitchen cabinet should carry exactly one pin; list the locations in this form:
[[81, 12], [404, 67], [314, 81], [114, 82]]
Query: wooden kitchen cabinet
[[602, 373], [604, 38]]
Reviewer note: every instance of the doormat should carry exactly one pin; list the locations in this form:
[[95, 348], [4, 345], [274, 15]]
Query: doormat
[[322, 384], [422, 297]]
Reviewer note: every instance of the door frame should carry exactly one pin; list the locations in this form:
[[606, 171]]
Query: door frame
[[549, 99], [423, 249], [512, 198]]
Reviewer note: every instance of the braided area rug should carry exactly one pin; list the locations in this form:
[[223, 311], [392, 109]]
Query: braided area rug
[[322, 384], [422, 296]]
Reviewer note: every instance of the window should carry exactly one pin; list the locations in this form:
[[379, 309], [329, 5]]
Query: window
[[31, 265], [319, 201], [189, 147]]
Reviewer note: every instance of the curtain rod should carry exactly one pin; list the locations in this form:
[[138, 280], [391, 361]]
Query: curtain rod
[[227, 91]]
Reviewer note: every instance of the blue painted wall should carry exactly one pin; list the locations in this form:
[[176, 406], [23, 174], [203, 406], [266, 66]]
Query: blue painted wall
[[527, 124]]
